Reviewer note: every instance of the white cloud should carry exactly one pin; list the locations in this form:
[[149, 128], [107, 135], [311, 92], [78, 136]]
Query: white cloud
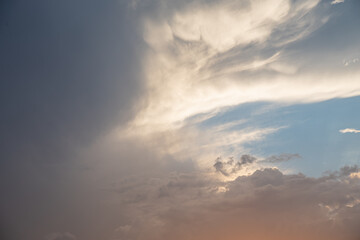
[[212, 56], [349, 130], [337, 1], [226, 24], [205, 145], [204, 57], [355, 175]]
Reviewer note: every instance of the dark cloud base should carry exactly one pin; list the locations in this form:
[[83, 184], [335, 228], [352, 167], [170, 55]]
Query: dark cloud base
[[189, 205], [264, 205]]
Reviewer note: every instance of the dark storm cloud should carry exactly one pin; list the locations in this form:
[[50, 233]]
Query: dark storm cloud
[[68, 72]]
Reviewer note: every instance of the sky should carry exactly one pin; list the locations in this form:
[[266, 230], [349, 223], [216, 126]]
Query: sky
[[184, 120]]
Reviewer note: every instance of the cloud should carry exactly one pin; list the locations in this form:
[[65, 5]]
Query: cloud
[[156, 178], [230, 166], [97, 81], [348, 170], [203, 144], [208, 23], [349, 130], [264, 205], [218, 54], [214, 55], [337, 1], [351, 61], [284, 157]]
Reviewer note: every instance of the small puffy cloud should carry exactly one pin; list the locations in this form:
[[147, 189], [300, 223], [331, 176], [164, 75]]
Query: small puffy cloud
[[337, 1], [349, 130]]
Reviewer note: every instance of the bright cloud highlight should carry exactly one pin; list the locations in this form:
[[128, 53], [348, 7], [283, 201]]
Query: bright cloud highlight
[[349, 130], [337, 1]]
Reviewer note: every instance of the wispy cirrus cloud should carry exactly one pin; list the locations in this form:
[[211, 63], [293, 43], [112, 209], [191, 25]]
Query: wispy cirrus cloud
[[220, 54], [212, 55]]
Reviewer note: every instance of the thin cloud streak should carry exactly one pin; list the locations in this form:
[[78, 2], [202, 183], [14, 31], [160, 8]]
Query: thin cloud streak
[[349, 130], [337, 2]]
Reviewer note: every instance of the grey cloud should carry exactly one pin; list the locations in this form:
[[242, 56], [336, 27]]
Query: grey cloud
[[68, 69], [343, 172], [284, 157], [267, 204], [231, 166], [219, 166], [347, 170], [246, 159]]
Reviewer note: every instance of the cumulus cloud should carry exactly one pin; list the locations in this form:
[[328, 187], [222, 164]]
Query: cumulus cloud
[[349, 130], [264, 205], [231, 167]]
